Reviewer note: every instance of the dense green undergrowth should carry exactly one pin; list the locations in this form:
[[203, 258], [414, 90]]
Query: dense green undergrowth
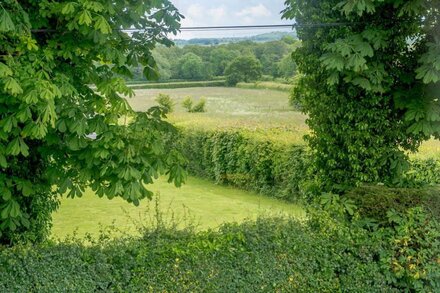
[[277, 169], [268, 255]]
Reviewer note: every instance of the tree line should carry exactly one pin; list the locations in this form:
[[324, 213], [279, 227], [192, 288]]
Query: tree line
[[197, 62]]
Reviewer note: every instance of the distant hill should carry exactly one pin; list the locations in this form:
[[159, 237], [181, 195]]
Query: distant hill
[[267, 37]]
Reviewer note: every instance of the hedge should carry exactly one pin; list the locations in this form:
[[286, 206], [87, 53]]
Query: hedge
[[266, 86], [237, 158], [175, 85], [267, 255]]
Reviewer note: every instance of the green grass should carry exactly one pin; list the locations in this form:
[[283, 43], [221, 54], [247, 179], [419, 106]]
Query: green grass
[[201, 201], [264, 112]]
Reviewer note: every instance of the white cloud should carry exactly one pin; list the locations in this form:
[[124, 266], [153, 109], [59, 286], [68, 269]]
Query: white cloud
[[254, 11], [217, 14]]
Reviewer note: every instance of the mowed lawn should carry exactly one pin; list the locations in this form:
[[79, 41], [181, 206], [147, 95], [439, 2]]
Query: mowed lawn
[[199, 202]]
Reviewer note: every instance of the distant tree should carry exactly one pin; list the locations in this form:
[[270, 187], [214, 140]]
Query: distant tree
[[289, 40], [220, 58], [193, 67], [287, 67], [243, 68], [163, 66]]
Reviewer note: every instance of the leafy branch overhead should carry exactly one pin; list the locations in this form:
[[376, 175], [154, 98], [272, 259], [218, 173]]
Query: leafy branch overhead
[[57, 134]]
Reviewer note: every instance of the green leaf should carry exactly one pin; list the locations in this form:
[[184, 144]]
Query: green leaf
[[6, 23], [68, 8], [24, 149], [151, 73], [5, 70], [102, 25], [3, 162], [13, 147], [85, 17], [12, 86]]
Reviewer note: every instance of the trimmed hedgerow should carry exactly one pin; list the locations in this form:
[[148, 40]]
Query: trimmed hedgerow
[[237, 158], [267, 255], [233, 157], [175, 85]]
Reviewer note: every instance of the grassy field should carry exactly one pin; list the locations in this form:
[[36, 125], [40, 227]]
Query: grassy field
[[198, 202], [265, 112]]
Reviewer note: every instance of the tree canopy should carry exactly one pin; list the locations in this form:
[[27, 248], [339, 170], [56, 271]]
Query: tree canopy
[[65, 124], [244, 68], [370, 84]]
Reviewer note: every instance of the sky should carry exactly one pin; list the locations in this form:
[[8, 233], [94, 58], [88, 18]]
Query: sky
[[229, 12]]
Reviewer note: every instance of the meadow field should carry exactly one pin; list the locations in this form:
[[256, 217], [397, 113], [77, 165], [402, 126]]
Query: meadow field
[[266, 113]]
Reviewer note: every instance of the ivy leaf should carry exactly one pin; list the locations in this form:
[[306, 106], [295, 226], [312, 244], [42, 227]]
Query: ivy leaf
[[6, 23]]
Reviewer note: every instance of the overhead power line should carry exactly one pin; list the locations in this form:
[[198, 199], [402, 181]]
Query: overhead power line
[[223, 28]]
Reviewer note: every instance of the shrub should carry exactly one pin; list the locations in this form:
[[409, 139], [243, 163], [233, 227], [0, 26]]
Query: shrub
[[199, 107], [374, 200], [188, 103], [165, 102]]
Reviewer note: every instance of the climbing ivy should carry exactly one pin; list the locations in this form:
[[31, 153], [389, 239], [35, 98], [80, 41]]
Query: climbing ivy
[[370, 84], [65, 124]]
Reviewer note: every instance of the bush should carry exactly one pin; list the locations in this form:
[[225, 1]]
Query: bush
[[165, 102], [199, 107], [236, 157], [374, 200], [188, 103]]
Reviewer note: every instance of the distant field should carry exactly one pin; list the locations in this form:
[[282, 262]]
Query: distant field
[[199, 201], [265, 112]]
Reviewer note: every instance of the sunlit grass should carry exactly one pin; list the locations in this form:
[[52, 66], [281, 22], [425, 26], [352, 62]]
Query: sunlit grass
[[199, 201], [266, 113]]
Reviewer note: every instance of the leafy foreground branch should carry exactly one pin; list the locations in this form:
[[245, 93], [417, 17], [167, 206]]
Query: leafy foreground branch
[[324, 254], [57, 134]]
